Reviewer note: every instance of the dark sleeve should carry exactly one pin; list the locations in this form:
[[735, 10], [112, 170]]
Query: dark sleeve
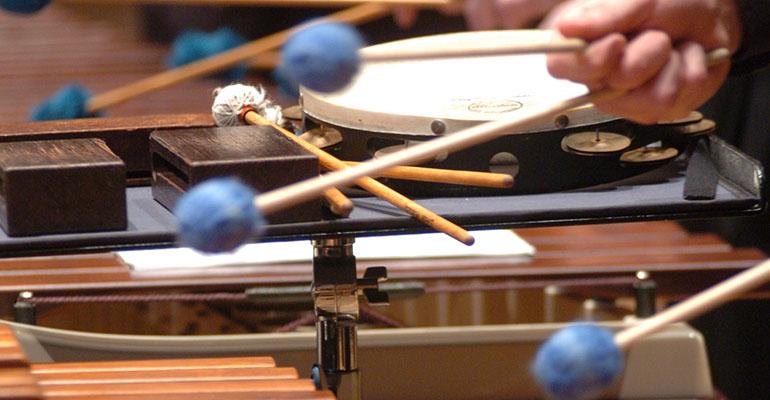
[[754, 52]]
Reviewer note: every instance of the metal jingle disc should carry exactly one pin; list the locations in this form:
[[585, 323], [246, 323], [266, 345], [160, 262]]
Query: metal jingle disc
[[649, 154], [703, 127], [322, 137], [596, 142], [293, 113], [694, 117]]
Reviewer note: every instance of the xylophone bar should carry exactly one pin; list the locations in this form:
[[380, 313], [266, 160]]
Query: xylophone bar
[[153, 365], [317, 395], [206, 378]]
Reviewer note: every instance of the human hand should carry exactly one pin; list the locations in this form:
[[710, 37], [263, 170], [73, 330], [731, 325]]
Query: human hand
[[655, 50], [487, 14], [406, 16]]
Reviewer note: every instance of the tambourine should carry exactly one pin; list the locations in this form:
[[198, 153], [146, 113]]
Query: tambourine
[[391, 105]]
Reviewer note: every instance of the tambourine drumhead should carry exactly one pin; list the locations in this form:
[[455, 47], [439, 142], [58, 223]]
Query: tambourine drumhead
[[407, 97]]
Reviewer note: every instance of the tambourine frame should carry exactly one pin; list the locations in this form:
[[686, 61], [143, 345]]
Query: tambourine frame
[[545, 164]]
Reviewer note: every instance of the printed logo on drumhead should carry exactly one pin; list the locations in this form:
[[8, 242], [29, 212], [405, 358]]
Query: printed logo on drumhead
[[498, 106]]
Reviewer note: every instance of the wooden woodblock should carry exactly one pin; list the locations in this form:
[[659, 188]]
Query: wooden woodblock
[[61, 186], [258, 155], [127, 137]]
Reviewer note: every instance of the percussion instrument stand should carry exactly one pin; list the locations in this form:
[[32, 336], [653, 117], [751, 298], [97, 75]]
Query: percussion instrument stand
[[335, 296]]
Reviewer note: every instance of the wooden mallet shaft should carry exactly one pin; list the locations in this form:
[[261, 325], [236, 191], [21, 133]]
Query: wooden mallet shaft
[[450, 176], [372, 186], [480, 49], [354, 15], [697, 305]]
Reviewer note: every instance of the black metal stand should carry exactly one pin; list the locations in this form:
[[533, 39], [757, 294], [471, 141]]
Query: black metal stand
[[335, 296]]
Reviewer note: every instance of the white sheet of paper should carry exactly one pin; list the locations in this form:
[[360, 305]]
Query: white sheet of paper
[[489, 243]]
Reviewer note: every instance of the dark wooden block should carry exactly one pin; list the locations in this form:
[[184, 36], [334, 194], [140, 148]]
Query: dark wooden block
[[61, 186], [259, 155]]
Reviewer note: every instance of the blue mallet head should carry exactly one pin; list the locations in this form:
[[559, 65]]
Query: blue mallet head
[[69, 102], [578, 362], [24, 6], [286, 85], [193, 46], [218, 215], [323, 57]]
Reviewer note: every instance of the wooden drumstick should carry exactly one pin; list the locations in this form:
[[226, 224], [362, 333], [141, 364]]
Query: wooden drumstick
[[354, 15], [339, 204], [422, 214], [515, 122], [450, 176]]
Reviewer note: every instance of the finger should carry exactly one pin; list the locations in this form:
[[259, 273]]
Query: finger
[[593, 64], [643, 58], [405, 17], [480, 14], [655, 100], [517, 14], [695, 75], [704, 21], [452, 9], [549, 22], [591, 19]]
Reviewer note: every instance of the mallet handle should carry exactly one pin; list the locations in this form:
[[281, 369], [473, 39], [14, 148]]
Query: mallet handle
[[697, 305], [477, 50], [354, 15], [372, 186]]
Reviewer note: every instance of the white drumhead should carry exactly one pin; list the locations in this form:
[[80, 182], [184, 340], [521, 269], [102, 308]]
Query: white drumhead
[[408, 96]]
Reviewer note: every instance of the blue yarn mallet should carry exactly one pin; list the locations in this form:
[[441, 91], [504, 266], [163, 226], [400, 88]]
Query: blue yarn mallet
[[69, 102], [24, 6], [583, 360], [323, 56], [578, 362], [286, 85], [218, 215], [192, 46]]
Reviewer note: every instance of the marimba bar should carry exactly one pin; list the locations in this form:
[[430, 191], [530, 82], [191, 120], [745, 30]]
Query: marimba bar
[[192, 379]]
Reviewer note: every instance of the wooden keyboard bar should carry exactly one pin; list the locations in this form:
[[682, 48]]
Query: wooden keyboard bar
[[235, 378], [11, 354], [16, 380], [580, 251], [154, 365], [176, 375], [190, 388], [314, 395]]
